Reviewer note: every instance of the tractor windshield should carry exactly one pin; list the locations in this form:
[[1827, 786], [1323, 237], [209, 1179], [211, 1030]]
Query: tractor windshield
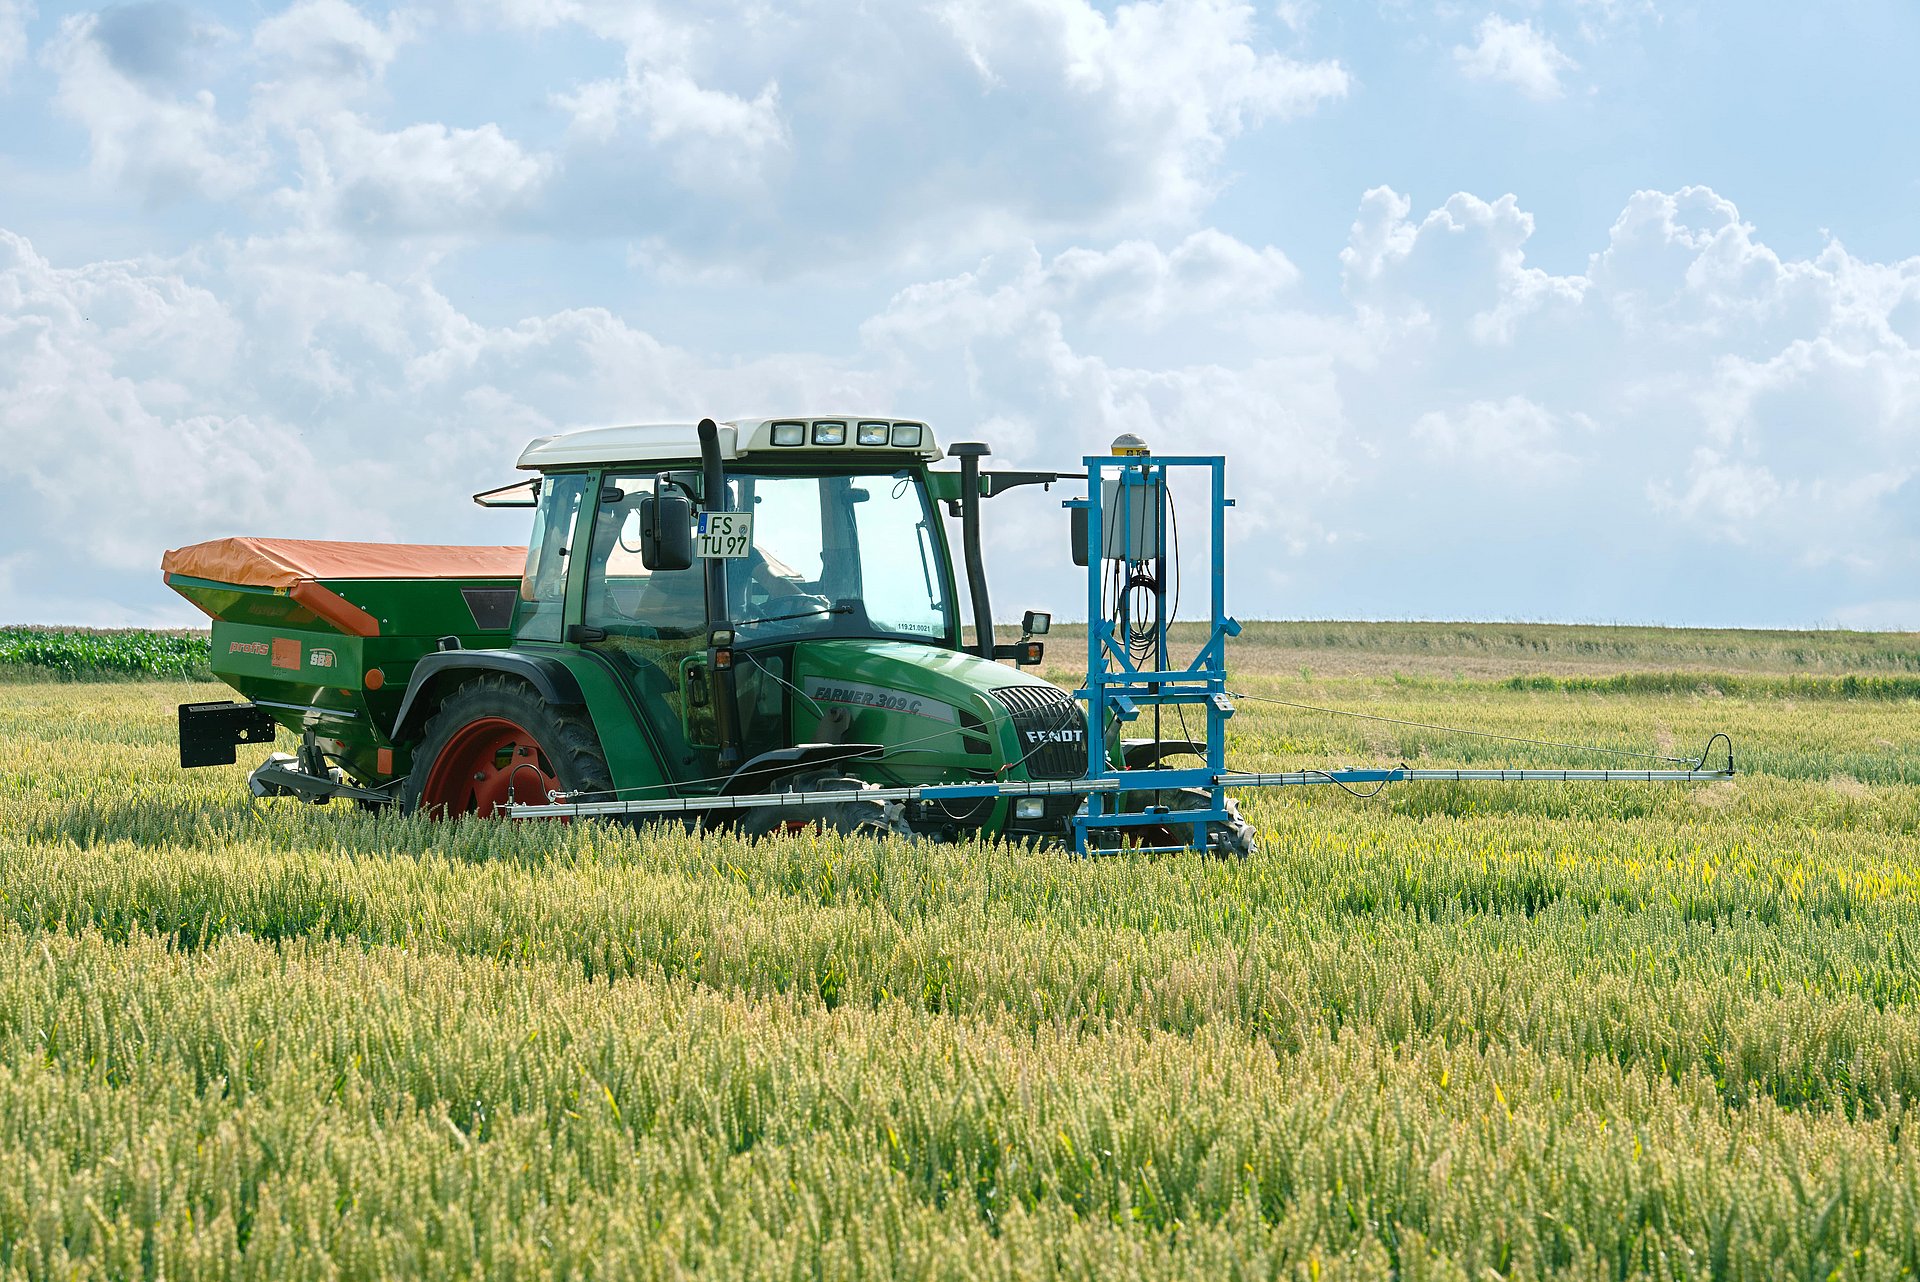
[[844, 556]]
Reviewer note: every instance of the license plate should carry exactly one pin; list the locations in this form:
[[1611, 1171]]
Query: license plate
[[724, 534]]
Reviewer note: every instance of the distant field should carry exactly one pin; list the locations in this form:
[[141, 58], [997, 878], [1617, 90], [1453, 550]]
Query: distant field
[[1456, 651], [1452, 1032], [1480, 651]]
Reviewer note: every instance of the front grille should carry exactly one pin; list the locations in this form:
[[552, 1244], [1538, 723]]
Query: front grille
[[1050, 728]]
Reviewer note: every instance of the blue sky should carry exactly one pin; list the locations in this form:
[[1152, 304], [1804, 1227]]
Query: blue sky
[[1576, 309]]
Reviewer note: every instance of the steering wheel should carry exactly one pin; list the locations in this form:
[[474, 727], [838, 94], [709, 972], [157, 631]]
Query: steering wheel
[[779, 594]]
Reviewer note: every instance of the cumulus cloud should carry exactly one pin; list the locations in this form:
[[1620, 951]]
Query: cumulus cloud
[[249, 388], [1692, 398], [732, 136], [425, 178], [1513, 436], [321, 54], [1517, 54], [776, 142], [112, 426], [1747, 399], [121, 79], [1405, 269], [711, 137], [1172, 81]]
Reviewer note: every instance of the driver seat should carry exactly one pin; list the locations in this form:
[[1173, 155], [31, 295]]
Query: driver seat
[[674, 602]]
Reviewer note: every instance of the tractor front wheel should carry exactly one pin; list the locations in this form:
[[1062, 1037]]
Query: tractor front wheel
[[495, 740]]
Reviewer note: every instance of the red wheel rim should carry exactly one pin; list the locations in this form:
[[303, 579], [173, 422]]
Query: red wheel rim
[[484, 762]]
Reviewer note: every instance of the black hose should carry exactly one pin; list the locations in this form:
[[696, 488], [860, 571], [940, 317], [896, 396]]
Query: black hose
[[726, 704], [969, 453]]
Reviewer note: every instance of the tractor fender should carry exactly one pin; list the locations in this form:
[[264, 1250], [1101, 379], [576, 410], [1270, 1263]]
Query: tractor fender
[[444, 669]]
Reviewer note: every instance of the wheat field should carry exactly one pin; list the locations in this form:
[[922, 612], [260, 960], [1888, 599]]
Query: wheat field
[[1451, 1032]]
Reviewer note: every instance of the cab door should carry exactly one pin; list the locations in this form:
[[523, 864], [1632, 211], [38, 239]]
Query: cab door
[[651, 625]]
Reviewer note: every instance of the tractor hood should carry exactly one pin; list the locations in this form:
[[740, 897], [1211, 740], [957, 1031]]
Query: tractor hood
[[941, 714]]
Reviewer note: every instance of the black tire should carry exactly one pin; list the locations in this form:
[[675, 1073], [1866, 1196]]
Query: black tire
[[857, 816], [1234, 839], [567, 751]]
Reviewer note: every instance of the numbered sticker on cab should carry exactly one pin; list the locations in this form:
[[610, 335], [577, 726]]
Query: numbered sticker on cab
[[724, 534]]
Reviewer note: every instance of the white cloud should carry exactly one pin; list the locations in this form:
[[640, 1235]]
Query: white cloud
[[1023, 342], [1462, 266], [780, 143], [1171, 81], [322, 53], [1693, 393], [247, 389], [113, 426], [164, 144], [1134, 283], [712, 137], [1513, 436], [734, 136], [1515, 53], [14, 16], [1746, 398], [1725, 493], [425, 178]]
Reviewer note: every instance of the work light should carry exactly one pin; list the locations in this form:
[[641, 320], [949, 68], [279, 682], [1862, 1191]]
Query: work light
[[907, 435], [873, 434], [789, 433], [829, 433]]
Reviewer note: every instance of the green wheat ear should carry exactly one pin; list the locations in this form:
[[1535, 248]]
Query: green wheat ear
[[1544, 1032]]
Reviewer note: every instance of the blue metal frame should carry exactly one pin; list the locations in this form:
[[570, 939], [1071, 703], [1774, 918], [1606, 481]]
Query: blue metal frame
[[1116, 690]]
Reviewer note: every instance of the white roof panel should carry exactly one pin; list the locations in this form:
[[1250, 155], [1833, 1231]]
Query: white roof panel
[[638, 443], [680, 442]]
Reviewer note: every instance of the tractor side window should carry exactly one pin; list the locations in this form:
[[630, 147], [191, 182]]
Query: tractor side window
[[543, 588]]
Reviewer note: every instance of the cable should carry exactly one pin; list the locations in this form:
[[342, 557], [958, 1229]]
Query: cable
[[979, 804], [678, 784], [890, 749], [1345, 787], [1179, 580], [818, 711]]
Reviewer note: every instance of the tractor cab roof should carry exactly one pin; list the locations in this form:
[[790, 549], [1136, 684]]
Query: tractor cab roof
[[839, 436]]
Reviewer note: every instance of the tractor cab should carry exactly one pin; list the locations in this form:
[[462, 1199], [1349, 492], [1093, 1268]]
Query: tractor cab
[[781, 594]]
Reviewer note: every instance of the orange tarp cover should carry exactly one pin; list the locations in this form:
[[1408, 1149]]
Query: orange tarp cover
[[285, 563]]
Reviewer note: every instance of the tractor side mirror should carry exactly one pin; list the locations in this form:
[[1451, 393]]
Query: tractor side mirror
[[666, 532]]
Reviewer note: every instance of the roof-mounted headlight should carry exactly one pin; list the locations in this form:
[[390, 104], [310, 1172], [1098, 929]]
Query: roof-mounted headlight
[[872, 434], [829, 433], [906, 436], [789, 433]]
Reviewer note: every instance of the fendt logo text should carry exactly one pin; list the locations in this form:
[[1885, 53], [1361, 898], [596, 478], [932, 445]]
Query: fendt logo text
[[1055, 736]]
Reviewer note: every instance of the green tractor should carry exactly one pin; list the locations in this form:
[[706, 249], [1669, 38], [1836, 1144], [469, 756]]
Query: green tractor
[[702, 611]]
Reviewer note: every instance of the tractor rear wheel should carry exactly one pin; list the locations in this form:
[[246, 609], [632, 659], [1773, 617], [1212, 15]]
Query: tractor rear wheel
[[495, 740]]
